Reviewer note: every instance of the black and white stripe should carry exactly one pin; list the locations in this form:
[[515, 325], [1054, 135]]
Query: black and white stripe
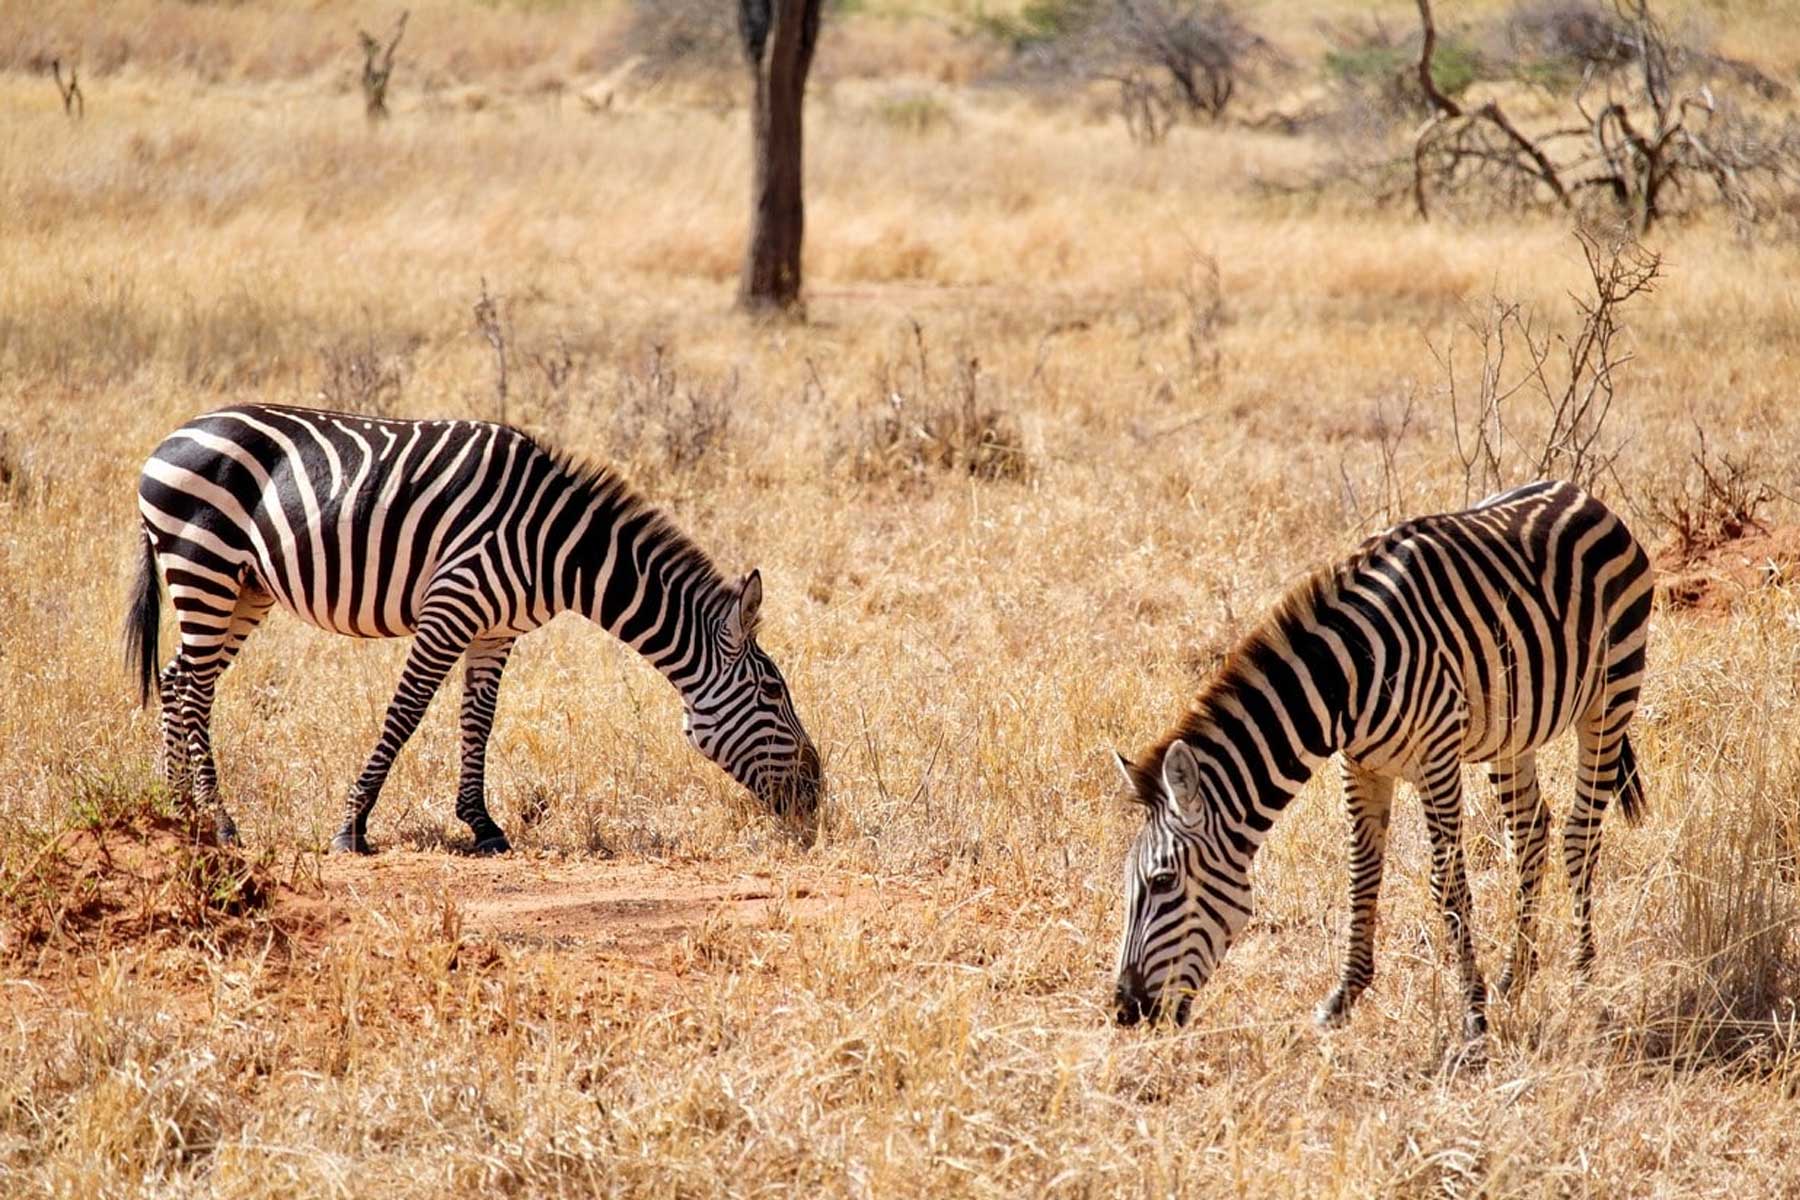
[[465, 535], [1467, 637]]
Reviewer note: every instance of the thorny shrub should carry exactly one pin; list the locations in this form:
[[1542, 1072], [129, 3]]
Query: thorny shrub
[[1720, 502], [359, 375], [1169, 59], [1536, 403], [924, 422], [666, 425]]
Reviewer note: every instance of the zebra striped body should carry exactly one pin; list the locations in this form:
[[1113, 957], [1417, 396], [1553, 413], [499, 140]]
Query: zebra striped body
[[1466, 637], [465, 535]]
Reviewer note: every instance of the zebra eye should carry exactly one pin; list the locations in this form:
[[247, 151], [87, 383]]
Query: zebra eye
[[1163, 881]]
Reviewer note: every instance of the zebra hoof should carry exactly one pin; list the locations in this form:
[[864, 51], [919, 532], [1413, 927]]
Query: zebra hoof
[[494, 844], [350, 841], [1333, 1011], [225, 829]]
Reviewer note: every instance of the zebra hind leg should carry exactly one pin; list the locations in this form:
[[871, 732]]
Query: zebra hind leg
[[1596, 775], [1440, 787], [1528, 831], [205, 654], [1368, 799], [482, 667], [172, 762], [253, 604], [437, 646]]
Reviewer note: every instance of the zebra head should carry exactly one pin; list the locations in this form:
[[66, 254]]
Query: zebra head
[[742, 717], [1187, 888]]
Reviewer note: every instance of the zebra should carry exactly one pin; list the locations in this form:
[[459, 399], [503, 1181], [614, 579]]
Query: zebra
[[464, 534], [1472, 636]]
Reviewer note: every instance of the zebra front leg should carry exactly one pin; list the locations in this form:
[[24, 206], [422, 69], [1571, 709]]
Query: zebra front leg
[[435, 650], [1440, 787], [1367, 799], [482, 666], [1528, 831]]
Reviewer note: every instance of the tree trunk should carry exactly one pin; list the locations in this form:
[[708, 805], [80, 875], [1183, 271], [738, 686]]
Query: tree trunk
[[778, 40]]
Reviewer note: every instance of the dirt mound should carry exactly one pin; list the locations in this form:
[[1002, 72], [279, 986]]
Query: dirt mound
[[137, 878], [1713, 580]]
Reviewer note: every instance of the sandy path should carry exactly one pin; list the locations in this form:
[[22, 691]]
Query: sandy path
[[619, 909]]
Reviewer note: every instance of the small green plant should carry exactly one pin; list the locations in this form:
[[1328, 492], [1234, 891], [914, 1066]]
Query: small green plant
[[913, 112], [107, 799], [1387, 69], [1038, 22]]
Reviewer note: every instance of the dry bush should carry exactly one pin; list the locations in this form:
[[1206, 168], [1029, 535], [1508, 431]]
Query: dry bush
[[666, 425], [1719, 502], [682, 38], [913, 111], [924, 422], [360, 375], [1168, 59], [1567, 36], [1538, 403], [1642, 129]]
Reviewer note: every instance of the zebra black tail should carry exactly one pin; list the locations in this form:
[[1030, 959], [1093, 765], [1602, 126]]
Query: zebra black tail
[[143, 622], [1630, 785]]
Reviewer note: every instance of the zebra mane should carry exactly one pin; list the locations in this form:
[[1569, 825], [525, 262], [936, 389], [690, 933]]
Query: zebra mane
[[605, 482], [1294, 608]]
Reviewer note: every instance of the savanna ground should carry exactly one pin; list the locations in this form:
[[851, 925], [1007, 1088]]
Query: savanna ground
[[1190, 377]]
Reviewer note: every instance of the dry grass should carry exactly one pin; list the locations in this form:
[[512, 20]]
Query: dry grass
[[964, 645]]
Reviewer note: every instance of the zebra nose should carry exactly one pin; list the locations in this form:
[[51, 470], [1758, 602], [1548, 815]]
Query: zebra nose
[[1129, 1001], [811, 772]]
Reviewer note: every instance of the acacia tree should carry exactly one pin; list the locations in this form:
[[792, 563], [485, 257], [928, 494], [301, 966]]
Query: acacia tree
[[778, 38]]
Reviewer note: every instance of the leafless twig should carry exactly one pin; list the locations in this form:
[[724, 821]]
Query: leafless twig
[[378, 68], [73, 102], [492, 326]]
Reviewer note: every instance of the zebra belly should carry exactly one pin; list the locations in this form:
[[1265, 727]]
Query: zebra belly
[[357, 595], [1519, 710]]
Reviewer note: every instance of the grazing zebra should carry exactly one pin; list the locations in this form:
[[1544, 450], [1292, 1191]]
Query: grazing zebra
[[1467, 637], [464, 534]]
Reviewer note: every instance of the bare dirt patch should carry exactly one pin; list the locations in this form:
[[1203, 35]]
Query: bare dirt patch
[[145, 883], [616, 910], [1715, 580]]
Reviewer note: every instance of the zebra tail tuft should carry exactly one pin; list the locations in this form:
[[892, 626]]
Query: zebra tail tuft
[[142, 624], [1630, 785]]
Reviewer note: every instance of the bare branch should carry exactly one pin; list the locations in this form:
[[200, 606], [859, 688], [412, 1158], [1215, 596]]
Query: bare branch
[[73, 102], [378, 68]]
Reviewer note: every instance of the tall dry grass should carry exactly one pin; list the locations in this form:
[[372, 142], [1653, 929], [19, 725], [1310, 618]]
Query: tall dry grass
[[965, 649]]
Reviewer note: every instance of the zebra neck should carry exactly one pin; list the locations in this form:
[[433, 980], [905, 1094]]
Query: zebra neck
[[644, 582], [1278, 710], [1252, 776]]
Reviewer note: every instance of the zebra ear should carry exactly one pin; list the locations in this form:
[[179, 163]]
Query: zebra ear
[[1135, 780], [1181, 775], [740, 625]]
